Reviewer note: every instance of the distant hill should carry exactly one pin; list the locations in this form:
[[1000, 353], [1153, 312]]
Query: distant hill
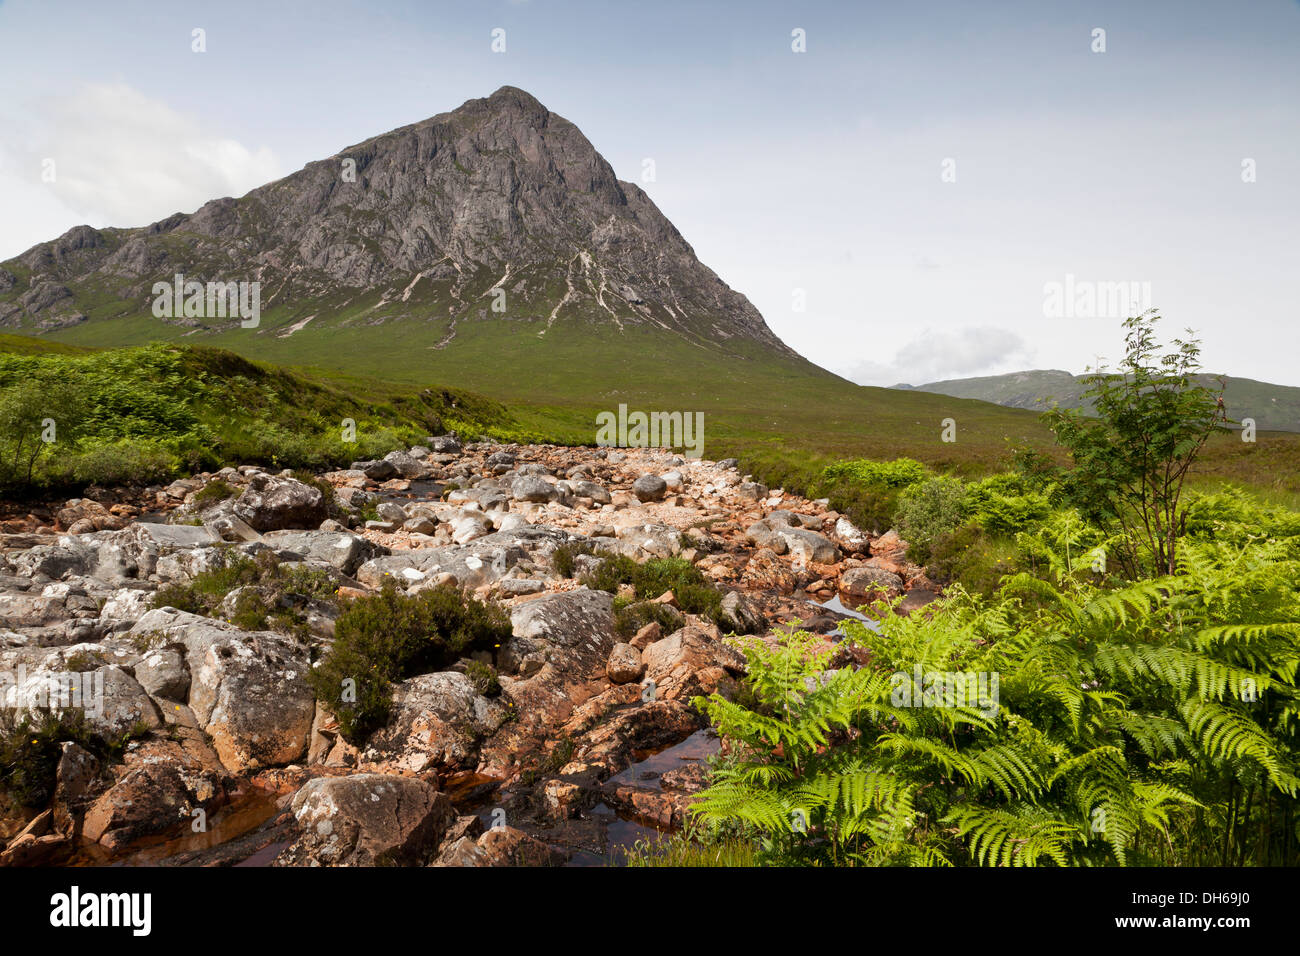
[[1273, 407]]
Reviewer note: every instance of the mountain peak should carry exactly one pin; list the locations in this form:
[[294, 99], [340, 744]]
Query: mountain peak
[[514, 96]]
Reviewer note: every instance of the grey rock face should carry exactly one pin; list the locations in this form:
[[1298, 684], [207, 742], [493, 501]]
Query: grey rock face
[[448, 202]]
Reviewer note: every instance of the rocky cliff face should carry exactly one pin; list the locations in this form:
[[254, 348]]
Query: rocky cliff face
[[500, 208]]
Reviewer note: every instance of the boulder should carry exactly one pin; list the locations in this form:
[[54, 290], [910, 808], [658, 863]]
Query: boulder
[[808, 547], [744, 617], [533, 488], [649, 488], [868, 581], [367, 819], [761, 535], [408, 465], [444, 445], [589, 489], [572, 630], [270, 503], [499, 846], [163, 673], [625, 664], [854, 539], [690, 661], [468, 525], [380, 470], [341, 550], [641, 541], [248, 689]]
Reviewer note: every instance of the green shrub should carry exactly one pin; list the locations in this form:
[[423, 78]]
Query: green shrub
[[31, 747], [251, 612], [613, 570], [928, 509], [129, 462], [691, 589], [867, 491], [562, 559], [1070, 724], [273, 587], [180, 596], [384, 638], [967, 555], [1006, 505]]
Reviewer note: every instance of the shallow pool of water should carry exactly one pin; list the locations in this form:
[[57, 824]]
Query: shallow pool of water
[[837, 606], [649, 766]]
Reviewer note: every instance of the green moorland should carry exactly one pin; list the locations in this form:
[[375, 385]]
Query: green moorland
[[786, 419]]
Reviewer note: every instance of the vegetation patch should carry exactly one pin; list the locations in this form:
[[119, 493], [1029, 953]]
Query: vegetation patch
[[384, 638], [693, 592]]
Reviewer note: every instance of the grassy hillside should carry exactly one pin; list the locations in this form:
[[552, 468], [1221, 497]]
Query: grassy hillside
[[144, 413], [785, 418]]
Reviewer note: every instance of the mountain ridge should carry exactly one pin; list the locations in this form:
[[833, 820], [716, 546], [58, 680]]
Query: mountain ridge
[[1272, 406]]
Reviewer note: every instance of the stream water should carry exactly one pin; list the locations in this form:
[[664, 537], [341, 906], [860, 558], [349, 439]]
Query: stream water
[[620, 830], [231, 837]]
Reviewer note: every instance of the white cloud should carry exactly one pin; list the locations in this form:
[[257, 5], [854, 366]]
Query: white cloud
[[124, 159], [935, 356]]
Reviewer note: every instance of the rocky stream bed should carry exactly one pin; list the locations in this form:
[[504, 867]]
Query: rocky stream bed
[[590, 745]]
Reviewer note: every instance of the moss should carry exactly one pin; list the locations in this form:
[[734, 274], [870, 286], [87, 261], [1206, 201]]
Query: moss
[[213, 492]]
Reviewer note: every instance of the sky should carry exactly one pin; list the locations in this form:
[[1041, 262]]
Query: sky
[[926, 190]]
